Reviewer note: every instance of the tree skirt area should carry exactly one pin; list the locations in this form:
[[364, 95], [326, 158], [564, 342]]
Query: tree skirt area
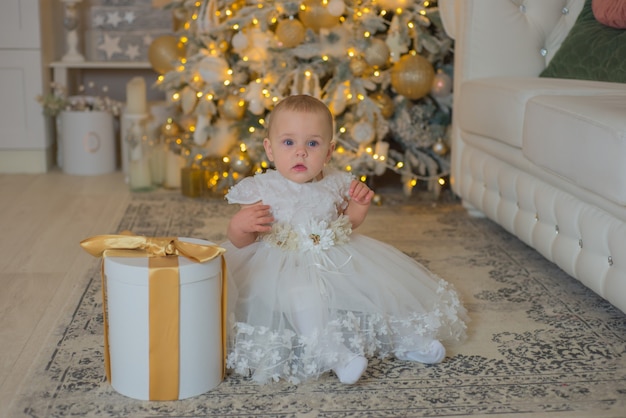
[[539, 342]]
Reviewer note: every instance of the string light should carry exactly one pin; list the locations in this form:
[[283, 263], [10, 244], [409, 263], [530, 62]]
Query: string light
[[349, 95]]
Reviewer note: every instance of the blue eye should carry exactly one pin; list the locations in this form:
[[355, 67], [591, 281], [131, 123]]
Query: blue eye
[[288, 142], [313, 143]]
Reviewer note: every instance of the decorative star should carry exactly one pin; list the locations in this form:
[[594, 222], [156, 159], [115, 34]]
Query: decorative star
[[114, 18], [98, 21], [132, 51], [147, 40], [129, 17], [110, 45]]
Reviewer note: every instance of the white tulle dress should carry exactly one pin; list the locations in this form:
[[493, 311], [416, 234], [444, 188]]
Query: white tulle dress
[[312, 294]]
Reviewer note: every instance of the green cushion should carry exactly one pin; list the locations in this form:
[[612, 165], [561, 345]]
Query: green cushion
[[591, 51]]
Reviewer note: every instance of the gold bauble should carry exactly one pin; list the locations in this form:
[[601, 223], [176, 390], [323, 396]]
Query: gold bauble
[[393, 4], [315, 15], [384, 103], [164, 52], [240, 163], [170, 128], [412, 76], [290, 32], [232, 107], [377, 53], [440, 147], [358, 66]]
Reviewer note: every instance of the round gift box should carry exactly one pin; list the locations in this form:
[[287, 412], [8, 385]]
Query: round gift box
[[200, 330]]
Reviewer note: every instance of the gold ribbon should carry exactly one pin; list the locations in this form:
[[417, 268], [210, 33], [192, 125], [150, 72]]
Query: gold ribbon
[[164, 300]]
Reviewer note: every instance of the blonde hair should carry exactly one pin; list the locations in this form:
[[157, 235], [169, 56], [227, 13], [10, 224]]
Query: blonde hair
[[302, 103]]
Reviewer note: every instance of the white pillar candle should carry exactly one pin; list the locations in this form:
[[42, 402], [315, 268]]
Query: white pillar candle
[[157, 164], [136, 96], [139, 174], [173, 164]]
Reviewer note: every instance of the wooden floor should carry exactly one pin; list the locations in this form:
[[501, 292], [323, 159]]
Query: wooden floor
[[42, 220]]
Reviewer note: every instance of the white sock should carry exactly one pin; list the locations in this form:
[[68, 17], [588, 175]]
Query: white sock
[[433, 353], [352, 371]]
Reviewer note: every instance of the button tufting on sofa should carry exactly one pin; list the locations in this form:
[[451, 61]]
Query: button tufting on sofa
[[541, 157]]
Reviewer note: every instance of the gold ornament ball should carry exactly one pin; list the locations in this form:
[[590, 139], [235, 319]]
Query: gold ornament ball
[[393, 4], [290, 32], [412, 76], [164, 52], [384, 103], [240, 163], [232, 107], [440, 147], [170, 128], [377, 53], [358, 66], [316, 16]]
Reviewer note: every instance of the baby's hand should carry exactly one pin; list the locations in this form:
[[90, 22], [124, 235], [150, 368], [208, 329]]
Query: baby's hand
[[360, 193], [254, 218]]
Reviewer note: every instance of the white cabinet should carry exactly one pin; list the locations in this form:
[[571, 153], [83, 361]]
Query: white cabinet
[[25, 145]]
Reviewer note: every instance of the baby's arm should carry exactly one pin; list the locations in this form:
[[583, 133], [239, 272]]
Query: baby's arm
[[245, 225], [360, 199]]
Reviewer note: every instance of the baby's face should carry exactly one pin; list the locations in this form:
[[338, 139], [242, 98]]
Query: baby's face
[[300, 143]]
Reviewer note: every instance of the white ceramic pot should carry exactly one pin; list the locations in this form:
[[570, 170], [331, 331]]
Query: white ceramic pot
[[87, 142]]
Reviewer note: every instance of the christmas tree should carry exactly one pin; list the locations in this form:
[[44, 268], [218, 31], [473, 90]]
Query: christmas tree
[[382, 66]]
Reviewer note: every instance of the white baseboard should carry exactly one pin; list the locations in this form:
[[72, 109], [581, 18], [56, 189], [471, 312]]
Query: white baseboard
[[26, 161]]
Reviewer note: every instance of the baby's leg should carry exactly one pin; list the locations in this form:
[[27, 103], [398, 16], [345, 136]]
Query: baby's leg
[[427, 351], [307, 315]]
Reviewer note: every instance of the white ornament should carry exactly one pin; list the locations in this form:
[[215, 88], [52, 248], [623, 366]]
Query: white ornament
[[397, 46], [442, 85], [363, 132], [240, 42], [259, 43], [213, 69], [200, 134], [188, 100], [336, 7], [340, 99], [255, 98], [224, 136]]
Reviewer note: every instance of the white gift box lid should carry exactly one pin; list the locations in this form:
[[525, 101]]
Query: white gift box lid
[[123, 269]]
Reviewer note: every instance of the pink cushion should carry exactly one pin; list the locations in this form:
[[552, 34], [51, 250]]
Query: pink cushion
[[610, 12]]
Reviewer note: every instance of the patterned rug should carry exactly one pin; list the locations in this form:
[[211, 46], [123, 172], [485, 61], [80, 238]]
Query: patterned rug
[[539, 343]]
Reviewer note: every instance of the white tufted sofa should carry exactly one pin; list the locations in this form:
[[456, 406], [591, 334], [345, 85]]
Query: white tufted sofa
[[545, 158]]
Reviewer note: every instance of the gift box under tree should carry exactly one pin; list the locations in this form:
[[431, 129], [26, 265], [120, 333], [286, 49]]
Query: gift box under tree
[[164, 302]]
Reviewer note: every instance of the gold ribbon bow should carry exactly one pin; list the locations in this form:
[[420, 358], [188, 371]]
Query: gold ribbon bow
[[164, 300]]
